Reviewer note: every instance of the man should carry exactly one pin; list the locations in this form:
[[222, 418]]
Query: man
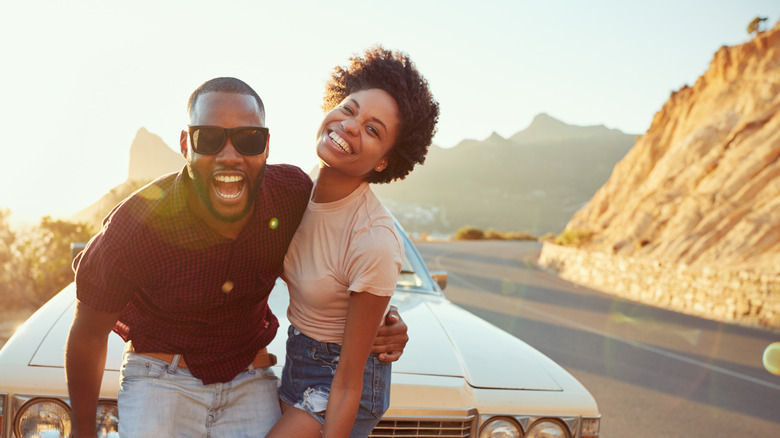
[[182, 270]]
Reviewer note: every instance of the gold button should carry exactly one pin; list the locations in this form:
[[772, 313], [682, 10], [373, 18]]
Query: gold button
[[227, 287]]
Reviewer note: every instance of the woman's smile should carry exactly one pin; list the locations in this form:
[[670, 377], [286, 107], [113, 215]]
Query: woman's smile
[[340, 142]]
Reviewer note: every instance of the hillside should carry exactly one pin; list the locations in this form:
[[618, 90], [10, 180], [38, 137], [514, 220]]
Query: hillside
[[691, 216], [533, 181]]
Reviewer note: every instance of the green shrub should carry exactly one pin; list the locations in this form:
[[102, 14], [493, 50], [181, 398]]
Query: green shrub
[[469, 233], [472, 233], [519, 235], [492, 234], [574, 237], [40, 261], [508, 235]]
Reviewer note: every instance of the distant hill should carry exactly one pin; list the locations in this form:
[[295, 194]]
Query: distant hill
[[150, 157], [533, 181]]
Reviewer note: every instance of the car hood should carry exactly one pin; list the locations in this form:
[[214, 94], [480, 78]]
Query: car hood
[[444, 340]]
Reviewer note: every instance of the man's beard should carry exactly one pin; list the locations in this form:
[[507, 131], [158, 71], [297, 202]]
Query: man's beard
[[202, 189]]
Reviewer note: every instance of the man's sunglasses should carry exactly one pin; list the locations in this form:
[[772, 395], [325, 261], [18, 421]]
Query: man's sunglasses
[[209, 140]]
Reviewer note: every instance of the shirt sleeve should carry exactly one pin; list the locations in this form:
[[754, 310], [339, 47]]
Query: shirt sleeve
[[375, 261], [101, 282]]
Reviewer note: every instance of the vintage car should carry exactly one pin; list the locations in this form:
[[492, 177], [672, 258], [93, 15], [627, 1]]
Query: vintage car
[[459, 376]]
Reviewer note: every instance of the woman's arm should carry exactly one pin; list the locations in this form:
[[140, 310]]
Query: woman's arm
[[364, 315]]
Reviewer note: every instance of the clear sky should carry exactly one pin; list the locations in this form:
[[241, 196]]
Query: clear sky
[[79, 78]]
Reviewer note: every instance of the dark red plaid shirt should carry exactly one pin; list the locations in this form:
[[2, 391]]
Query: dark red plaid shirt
[[182, 287]]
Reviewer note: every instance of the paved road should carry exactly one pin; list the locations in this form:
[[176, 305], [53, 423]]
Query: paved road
[[654, 373]]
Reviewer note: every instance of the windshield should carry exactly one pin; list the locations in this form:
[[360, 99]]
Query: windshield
[[414, 276]]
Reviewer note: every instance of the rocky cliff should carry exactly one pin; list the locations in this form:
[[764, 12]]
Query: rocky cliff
[[701, 189], [702, 186]]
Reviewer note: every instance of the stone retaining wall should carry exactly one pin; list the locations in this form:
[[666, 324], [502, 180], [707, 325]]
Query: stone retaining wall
[[737, 297]]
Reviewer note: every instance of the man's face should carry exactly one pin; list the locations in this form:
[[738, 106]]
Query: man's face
[[227, 183]]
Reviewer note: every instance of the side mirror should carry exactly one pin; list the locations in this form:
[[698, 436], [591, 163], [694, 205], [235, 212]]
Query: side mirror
[[440, 277], [76, 248]]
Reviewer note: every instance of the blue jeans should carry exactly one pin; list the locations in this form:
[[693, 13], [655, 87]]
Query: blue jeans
[[160, 399], [308, 373]]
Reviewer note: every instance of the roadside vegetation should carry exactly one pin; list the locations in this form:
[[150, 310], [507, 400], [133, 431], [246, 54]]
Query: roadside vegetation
[[35, 261], [573, 237], [473, 233], [569, 237]]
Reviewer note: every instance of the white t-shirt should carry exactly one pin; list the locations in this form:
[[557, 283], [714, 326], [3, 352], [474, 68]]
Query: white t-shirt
[[342, 246]]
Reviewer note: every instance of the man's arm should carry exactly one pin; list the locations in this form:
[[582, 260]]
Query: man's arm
[[392, 338], [85, 359]]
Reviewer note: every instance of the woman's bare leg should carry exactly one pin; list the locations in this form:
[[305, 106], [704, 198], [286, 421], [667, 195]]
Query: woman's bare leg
[[295, 423]]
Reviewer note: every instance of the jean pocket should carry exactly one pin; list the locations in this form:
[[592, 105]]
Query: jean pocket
[[324, 360], [139, 366], [266, 373], [380, 385]]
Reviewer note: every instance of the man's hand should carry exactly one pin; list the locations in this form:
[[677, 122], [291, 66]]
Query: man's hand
[[85, 359], [392, 338]]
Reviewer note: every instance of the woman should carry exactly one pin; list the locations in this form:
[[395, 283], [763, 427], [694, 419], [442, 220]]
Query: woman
[[343, 263]]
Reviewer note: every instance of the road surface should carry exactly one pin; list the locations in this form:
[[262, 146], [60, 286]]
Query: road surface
[[654, 373]]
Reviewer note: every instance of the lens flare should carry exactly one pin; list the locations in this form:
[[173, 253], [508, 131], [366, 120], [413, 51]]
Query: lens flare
[[508, 287], [772, 358], [273, 223], [152, 192]]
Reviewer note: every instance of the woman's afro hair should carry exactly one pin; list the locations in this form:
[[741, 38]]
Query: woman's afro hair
[[397, 75]]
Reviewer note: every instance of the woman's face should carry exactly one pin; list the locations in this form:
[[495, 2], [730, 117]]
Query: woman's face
[[355, 137]]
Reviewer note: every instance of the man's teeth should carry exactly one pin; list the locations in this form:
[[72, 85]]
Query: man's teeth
[[340, 142], [229, 186], [227, 196], [228, 179]]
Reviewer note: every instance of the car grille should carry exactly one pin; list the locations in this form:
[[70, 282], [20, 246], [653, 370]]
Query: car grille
[[423, 428]]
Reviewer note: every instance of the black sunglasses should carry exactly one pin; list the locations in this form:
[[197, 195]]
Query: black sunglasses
[[209, 140]]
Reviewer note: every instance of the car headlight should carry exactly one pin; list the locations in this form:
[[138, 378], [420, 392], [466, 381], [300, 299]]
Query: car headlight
[[499, 427], [43, 417], [107, 420], [3, 401], [545, 428]]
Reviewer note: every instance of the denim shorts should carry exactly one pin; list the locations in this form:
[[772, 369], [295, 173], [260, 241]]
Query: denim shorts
[[308, 373]]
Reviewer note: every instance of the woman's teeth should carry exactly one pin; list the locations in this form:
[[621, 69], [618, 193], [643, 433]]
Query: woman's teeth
[[340, 142]]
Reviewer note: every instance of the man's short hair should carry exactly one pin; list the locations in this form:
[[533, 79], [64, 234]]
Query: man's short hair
[[225, 85]]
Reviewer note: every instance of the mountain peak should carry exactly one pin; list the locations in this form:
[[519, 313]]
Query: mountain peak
[[545, 121], [150, 157], [495, 136], [545, 129]]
